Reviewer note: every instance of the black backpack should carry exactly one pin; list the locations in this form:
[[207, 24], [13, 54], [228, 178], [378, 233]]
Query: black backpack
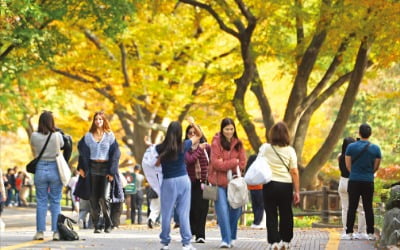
[[65, 228], [67, 148]]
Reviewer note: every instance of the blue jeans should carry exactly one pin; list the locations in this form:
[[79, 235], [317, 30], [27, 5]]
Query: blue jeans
[[227, 216], [175, 194], [48, 190]]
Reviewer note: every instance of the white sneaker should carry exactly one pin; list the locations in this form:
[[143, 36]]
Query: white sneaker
[[188, 247], [200, 240], [285, 245], [254, 226], [275, 246], [56, 236], [2, 226], [371, 237], [360, 236], [224, 245], [164, 247], [38, 236], [347, 236], [233, 243]]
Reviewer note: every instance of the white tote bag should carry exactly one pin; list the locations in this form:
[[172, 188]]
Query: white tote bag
[[62, 165], [259, 171]]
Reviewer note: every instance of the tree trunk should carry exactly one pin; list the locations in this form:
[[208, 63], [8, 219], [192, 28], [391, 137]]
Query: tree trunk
[[266, 111], [299, 90], [323, 154], [138, 138]]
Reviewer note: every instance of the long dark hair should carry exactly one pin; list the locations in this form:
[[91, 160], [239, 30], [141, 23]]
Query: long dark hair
[[202, 139], [106, 123], [279, 134], [342, 161], [224, 142], [46, 123], [172, 144], [346, 142]]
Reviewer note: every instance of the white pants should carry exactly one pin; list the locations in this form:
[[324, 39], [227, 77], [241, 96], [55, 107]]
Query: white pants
[[155, 208], [344, 198]]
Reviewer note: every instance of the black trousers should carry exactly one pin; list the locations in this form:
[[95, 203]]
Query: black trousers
[[356, 190], [257, 203], [99, 201], [278, 197], [136, 204], [198, 211], [115, 213]]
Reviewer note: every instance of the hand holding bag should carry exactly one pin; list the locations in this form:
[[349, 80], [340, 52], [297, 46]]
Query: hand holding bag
[[259, 171], [63, 168], [31, 166], [210, 192]]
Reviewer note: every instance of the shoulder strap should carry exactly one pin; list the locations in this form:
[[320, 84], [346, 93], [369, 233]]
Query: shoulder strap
[[361, 152], [45, 145], [287, 167]]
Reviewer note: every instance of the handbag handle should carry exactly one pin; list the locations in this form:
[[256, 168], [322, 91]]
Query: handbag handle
[[45, 145], [238, 173]]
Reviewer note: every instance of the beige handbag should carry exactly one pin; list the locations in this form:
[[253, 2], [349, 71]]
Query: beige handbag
[[62, 165], [210, 192]]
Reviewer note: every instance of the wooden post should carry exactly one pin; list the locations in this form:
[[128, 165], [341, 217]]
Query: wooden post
[[325, 208]]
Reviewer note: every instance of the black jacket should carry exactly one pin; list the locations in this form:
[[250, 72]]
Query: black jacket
[[83, 187]]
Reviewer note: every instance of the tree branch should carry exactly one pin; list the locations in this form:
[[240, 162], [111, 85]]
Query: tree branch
[[96, 41], [72, 76], [266, 110], [214, 14], [299, 90], [7, 51], [124, 67], [343, 115], [337, 60], [103, 91], [249, 16], [299, 29], [196, 87]]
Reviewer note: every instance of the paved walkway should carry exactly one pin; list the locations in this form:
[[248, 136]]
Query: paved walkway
[[20, 228]]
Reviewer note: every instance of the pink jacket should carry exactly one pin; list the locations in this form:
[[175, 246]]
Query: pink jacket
[[221, 161]]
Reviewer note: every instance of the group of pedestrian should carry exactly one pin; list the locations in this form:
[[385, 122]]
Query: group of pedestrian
[[17, 184], [187, 166], [190, 164]]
